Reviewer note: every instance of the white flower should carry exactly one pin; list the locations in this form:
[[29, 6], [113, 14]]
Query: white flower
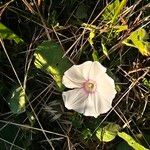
[[92, 89]]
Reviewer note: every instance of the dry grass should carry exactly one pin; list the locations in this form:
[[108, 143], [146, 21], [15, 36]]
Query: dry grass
[[46, 124]]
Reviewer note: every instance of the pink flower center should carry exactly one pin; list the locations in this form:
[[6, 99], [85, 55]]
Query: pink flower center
[[89, 86]]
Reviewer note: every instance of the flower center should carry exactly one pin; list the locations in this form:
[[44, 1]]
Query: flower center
[[89, 86]]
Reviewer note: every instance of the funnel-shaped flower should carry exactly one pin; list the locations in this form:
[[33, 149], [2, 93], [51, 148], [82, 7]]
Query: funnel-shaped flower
[[92, 89]]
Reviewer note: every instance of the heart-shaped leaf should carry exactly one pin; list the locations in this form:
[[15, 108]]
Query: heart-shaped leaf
[[6, 33], [49, 58], [17, 101], [107, 133]]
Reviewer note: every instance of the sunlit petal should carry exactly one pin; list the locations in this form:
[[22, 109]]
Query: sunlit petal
[[76, 75], [106, 88], [95, 105], [90, 106], [96, 69], [85, 69], [75, 100], [73, 78], [102, 105]]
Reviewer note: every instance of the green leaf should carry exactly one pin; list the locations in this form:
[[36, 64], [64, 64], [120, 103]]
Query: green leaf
[[118, 10], [110, 10], [48, 58], [105, 50], [86, 133], [92, 29], [146, 82], [95, 55], [120, 28], [131, 141], [138, 39], [91, 36], [107, 133], [113, 10], [17, 101], [6, 33], [89, 27]]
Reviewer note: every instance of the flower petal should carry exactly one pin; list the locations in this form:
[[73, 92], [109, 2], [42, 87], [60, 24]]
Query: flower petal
[[95, 105], [92, 103], [90, 106], [76, 75], [75, 99], [102, 105], [106, 88], [96, 69]]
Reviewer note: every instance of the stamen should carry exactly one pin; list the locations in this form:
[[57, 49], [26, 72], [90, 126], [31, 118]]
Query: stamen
[[89, 86]]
